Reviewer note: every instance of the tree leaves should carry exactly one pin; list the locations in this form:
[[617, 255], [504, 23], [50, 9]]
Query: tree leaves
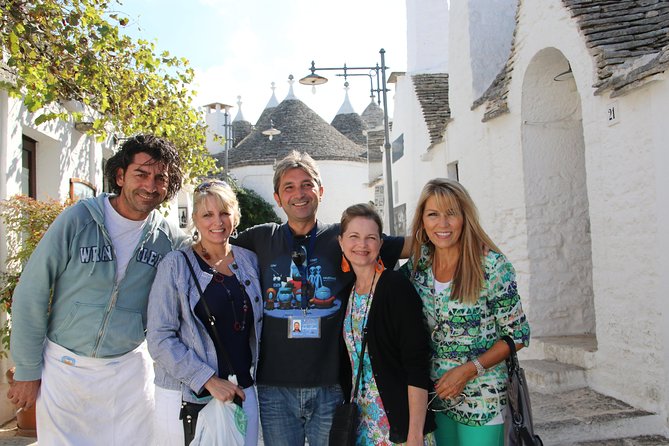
[[73, 50]]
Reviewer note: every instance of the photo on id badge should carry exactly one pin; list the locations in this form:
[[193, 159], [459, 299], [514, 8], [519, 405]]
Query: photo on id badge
[[301, 295]]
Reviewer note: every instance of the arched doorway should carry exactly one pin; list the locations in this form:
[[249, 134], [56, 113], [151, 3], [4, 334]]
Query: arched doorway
[[556, 197]]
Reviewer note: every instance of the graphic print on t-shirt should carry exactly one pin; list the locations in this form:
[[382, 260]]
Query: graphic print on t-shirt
[[284, 298]]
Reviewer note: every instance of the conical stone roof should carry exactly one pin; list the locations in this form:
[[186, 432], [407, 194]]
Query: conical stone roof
[[352, 126], [373, 115], [301, 129]]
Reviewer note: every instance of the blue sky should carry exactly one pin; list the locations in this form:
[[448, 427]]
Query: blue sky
[[239, 47]]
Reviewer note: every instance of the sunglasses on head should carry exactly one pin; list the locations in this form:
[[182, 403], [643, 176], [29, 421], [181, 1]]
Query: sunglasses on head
[[207, 184]]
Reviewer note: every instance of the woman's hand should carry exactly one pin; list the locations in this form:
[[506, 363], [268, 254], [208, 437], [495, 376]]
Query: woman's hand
[[417, 410], [414, 439], [452, 383], [223, 390]]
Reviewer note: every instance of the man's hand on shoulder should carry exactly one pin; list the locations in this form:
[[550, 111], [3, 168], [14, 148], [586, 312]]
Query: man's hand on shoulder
[[23, 393]]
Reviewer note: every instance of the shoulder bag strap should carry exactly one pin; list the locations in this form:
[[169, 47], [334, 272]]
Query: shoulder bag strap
[[364, 338], [210, 317], [512, 360], [362, 356]]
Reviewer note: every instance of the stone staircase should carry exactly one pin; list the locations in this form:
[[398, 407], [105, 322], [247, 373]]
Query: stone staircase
[[567, 412]]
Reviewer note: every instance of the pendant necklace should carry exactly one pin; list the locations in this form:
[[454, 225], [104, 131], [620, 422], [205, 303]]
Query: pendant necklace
[[218, 277], [238, 324], [368, 303]]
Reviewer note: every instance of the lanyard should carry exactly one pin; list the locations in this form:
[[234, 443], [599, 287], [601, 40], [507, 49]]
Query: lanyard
[[302, 267]]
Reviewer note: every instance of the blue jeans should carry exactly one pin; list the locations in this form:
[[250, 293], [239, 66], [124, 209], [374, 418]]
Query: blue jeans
[[288, 415]]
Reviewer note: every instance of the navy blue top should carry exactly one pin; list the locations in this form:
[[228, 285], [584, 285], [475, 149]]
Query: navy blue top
[[226, 301]]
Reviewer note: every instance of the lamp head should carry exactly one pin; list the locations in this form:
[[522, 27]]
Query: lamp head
[[313, 79]]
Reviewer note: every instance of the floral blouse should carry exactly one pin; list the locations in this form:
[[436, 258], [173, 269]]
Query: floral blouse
[[374, 427], [462, 332]]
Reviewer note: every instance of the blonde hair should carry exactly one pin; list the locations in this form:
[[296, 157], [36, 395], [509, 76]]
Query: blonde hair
[[469, 275], [223, 194]]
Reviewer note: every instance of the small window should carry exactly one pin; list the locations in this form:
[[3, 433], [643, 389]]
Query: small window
[[400, 213], [81, 189], [29, 147], [379, 197], [452, 171], [398, 148]]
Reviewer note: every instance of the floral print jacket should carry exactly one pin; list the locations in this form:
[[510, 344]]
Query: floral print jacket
[[462, 332]]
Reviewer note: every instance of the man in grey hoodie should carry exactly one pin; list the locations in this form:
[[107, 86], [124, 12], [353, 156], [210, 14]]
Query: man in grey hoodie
[[79, 310]]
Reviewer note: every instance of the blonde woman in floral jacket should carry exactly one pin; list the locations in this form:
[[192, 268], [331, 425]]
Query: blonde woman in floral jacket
[[470, 300]]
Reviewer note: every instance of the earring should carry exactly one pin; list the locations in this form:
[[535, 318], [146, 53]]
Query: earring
[[196, 236], [345, 266], [419, 237], [234, 233], [379, 266]]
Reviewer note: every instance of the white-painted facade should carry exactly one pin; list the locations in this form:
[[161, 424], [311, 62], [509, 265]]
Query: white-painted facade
[[218, 119], [578, 202], [61, 154]]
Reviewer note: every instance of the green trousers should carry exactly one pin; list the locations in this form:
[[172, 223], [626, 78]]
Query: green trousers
[[452, 433]]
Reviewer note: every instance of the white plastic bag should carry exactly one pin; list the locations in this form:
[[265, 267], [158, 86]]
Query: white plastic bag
[[220, 424]]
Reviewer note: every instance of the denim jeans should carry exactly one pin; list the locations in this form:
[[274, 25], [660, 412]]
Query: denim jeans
[[288, 415]]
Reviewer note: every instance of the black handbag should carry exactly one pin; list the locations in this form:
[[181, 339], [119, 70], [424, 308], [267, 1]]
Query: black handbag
[[346, 419], [518, 426]]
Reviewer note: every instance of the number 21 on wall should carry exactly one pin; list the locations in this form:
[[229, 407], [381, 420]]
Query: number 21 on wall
[[612, 113]]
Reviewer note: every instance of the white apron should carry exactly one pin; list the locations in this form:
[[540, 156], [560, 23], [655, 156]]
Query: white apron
[[87, 401]]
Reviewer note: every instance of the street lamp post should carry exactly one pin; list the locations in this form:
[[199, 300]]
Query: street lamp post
[[227, 130], [381, 92]]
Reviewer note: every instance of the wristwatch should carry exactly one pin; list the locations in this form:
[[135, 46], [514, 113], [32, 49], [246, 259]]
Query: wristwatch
[[480, 370]]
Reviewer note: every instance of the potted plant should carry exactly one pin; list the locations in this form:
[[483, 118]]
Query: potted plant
[[26, 220]]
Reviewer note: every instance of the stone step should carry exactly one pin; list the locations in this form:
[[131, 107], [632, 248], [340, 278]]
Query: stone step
[[551, 376], [583, 415], [578, 350], [646, 440]]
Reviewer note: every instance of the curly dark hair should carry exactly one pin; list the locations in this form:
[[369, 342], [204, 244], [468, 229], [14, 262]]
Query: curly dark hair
[[159, 149]]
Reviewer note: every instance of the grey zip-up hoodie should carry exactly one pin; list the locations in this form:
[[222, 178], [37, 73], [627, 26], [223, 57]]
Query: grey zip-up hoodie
[[89, 313]]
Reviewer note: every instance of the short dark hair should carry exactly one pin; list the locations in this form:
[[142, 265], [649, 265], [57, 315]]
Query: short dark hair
[[159, 149], [364, 210], [296, 160]]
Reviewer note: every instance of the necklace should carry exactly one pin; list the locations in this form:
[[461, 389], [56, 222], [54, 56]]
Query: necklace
[[218, 277], [205, 254], [237, 324], [368, 303]]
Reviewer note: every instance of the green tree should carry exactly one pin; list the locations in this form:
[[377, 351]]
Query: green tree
[[255, 210], [60, 50]]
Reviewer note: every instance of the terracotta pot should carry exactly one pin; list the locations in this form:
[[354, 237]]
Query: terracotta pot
[[25, 418]]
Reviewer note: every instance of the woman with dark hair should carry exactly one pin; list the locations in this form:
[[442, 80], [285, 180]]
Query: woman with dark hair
[[392, 393], [470, 300], [191, 366]]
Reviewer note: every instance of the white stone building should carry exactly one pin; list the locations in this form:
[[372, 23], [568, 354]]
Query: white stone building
[[555, 119]]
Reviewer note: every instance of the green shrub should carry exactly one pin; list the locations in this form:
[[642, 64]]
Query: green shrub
[[255, 210], [26, 220]]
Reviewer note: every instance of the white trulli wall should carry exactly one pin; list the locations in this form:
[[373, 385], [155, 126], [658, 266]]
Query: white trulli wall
[[61, 153], [579, 203]]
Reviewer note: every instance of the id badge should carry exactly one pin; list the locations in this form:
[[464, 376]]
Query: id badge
[[304, 327]]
